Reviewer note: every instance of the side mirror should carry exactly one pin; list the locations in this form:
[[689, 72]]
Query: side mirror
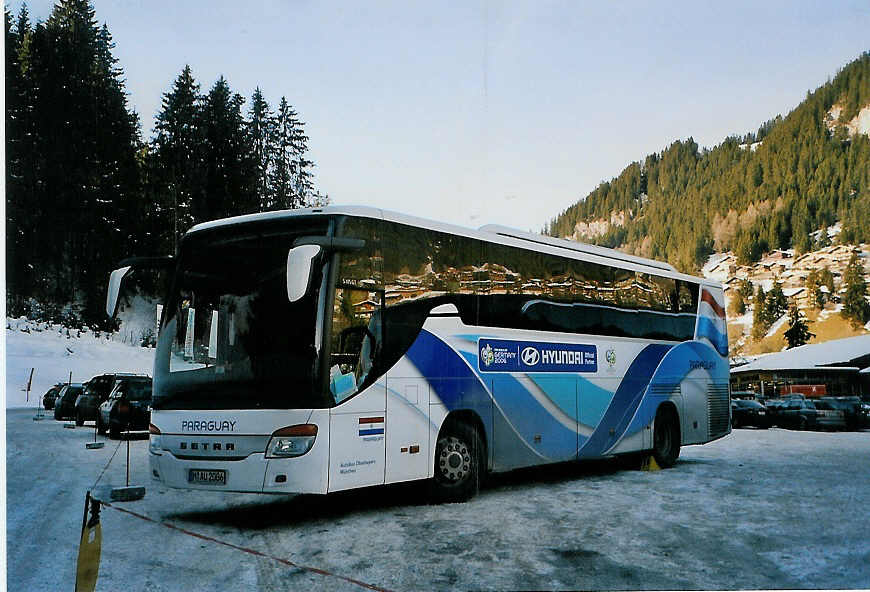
[[114, 289], [300, 270]]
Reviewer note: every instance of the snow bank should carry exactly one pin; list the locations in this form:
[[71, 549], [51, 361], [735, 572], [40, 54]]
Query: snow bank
[[777, 325], [53, 355]]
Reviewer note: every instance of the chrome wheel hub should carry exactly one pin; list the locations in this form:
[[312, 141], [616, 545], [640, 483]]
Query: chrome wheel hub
[[454, 459]]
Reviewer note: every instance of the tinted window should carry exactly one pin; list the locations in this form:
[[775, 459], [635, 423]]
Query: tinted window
[[547, 293], [498, 285], [230, 337], [139, 391], [362, 268], [687, 297], [425, 264]]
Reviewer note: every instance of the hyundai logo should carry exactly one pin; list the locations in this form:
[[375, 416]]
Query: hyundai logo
[[530, 356]]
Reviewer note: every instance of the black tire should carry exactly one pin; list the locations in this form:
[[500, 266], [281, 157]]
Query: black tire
[[114, 431], [803, 424], [458, 462], [80, 421], [666, 437], [101, 429]]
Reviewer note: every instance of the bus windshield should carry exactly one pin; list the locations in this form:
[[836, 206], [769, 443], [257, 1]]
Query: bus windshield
[[230, 338]]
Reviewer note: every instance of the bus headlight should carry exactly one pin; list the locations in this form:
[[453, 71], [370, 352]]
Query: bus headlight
[[291, 441], [154, 444]]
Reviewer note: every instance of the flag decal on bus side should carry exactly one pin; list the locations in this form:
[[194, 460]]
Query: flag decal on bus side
[[371, 426]]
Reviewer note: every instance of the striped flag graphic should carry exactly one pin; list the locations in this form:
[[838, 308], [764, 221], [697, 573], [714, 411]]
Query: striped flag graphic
[[371, 426], [711, 322]]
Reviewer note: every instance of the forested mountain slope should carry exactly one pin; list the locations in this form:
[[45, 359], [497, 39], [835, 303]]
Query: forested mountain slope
[[768, 189]]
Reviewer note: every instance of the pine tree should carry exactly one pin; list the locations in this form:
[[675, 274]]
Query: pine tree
[[814, 290], [262, 138], [826, 278], [230, 186], [177, 166], [72, 168], [738, 305], [292, 177], [282, 176], [775, 304], [798, 332], [745, 289], [856, 309], [18, 280], [759, 320]]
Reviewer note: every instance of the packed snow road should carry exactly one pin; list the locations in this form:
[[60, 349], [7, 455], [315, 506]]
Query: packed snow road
[[757, 509]]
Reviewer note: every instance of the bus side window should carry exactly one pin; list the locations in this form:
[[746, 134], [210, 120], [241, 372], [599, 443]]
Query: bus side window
[[355, 338]]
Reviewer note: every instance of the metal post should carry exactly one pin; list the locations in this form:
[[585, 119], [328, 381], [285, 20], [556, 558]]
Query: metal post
[[128, 459]]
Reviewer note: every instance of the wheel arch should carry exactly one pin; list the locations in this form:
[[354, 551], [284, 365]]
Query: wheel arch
[[670, 407], [471, 418]]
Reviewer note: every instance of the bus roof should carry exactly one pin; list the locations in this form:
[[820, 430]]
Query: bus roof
[[490, 232]]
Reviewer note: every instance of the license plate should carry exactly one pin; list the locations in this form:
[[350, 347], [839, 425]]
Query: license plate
[[207, 476]]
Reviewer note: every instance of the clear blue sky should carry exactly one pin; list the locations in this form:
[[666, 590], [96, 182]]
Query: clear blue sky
[[477, 112]]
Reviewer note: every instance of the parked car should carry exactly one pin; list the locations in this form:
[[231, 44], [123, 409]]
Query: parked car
[[850, 407], [96, 391], [127, 408], [802, 414], [64, 405], [774, 407], [50, 395], [748, 413], [797, 414]]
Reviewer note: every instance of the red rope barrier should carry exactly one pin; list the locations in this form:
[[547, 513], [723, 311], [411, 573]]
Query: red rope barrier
[[254, 552]]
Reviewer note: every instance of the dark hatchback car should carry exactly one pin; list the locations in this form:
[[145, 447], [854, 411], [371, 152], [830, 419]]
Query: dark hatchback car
[[96, 391], [51, 394], [127, 408], [749, 413], [64, 405]]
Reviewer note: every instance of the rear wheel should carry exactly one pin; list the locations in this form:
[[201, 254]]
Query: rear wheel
[[803, 424], [458, 462], [114, 430], [101, 429], [666, 437], [80, 420]]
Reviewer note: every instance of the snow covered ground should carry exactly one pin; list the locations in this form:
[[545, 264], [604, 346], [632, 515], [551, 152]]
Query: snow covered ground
[[765, 509], [53, 355], [757, 509]]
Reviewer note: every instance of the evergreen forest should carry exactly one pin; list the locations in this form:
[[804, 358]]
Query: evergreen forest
[[772, 188], [84, 189]]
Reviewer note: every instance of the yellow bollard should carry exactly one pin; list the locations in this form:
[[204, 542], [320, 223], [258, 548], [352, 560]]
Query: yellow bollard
[[88, 564], [650, 464]]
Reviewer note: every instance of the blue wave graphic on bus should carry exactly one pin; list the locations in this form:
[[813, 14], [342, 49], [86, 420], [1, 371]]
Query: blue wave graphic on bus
[[625, 401], [707, 329], [459, 386], [672, 370]]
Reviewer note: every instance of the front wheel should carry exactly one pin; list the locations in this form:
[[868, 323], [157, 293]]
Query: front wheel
[[666, 437], [80, 420], [458, 461], [101, 429]]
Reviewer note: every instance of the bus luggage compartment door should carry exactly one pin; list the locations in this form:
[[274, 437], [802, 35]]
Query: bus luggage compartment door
[[408, 438], [356, 440]]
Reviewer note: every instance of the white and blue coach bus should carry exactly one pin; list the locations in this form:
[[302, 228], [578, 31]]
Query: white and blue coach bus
[[320, 350]]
